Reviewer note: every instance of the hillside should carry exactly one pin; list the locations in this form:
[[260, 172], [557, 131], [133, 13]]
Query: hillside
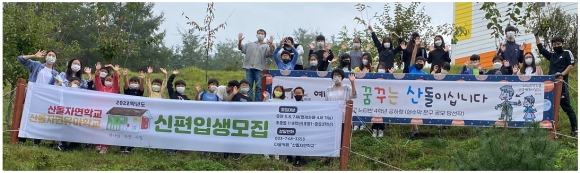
[[432, 151]]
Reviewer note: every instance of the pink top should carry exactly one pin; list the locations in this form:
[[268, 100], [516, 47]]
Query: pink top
[[113, 89]]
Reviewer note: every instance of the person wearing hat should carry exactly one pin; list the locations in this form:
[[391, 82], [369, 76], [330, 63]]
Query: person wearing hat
[[284, 62]]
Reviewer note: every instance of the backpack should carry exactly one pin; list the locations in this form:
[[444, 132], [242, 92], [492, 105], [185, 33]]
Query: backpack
[[203, 94]]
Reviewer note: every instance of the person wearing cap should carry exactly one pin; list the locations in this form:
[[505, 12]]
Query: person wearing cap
[[299, 63], [285, 62]]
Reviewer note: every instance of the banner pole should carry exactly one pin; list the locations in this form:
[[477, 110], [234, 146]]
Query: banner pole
[[18, 106], [264, 73], [344, 151], [557, 97]]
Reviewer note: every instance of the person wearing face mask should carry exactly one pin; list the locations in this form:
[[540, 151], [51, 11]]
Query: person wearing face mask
[[529, 68], [323, 62], [74, 70], [366, 64], [111, 86], [382, 68], [298, 96], [445, 68], [561, 63], [286, 62], [279, 96], [408, 49], [241, 96], [313, 62], [500, 67], [40, 72], [475, 69], [385, 48], [438, 53], [177, 92], [255, 59], [356, 53], [344, 63], [132, 87], [510, 50], [157, 87], [210, 95], [416, 68], [299, 62]]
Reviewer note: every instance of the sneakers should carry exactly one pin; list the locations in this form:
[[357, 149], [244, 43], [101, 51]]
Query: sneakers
[[297, 163], [375, 133], [277, 157], [362, 127], [414, 134], [98, 147], [60, 146], [380, 133], [355, 128], [237, 156], [266, 156], [574, 133]]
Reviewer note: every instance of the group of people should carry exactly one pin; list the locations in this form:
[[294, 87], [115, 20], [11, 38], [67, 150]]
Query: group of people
[[288, 56]]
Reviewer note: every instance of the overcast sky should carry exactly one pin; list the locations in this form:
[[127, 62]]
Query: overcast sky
[[280, 18]]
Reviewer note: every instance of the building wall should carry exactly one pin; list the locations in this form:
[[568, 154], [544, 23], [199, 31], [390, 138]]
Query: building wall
[[480, 40]]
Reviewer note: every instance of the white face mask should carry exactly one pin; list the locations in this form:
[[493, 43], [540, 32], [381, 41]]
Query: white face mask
[[356, 45], [212, 88], [313, 63], [260, 37], [133, 86], [381, 70], [529, 61], [444, 71], [511, 34], [180, 90], [365, 62], [50, 60], [320, 44], [75, 68], [156, 88], [387, 45], [475, 64], [497, 65], [337, 79], [438, 43], [108, 84], [74, 86], [103, 74]]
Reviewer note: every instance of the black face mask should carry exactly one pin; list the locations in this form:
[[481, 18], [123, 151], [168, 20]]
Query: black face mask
[[346, 62], [298, 97], [558, 49], [418, 66], [286, 61]]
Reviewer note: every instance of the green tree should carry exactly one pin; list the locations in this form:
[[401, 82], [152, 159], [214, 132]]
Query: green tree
[[304, 37], [554, 21], [227, 57], [512, 16]]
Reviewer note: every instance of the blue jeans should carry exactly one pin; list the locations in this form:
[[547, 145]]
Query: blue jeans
[[254, 75]]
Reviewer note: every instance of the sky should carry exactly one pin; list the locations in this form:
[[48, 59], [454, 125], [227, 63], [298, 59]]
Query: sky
[[280, 18]]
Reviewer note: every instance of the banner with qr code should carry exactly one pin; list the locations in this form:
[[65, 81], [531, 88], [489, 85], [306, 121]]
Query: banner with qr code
[[478, 103], [284, 128]]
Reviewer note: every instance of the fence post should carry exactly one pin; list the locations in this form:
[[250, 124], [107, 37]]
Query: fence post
[[18, 106], [557, 96], [345, 150], [264, 73]]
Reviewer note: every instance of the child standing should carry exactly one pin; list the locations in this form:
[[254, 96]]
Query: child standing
[[239, 97], [132, 87], [477, 69], [212, 84], [111, 86], [157, 87], [179, 92], [279, 96], [500, 67]]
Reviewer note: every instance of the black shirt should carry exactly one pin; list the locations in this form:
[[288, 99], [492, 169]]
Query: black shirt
[[438, 57], [502, 71], [174, 94], [133, 92], [406, 57], [239, 97], [558, 61], [322, 65], [386, 55]]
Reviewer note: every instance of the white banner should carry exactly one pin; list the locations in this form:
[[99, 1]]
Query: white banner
[[285, 128], [432, 99]]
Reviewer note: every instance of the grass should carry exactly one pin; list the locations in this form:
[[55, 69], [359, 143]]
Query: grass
[[432, 151]]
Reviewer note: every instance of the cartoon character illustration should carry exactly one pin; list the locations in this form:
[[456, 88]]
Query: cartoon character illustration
[[507, 92], [529, 109]]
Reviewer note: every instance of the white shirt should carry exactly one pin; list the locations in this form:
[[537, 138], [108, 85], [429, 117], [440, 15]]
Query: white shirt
[[529, 71], [222, 93], [44, 76]]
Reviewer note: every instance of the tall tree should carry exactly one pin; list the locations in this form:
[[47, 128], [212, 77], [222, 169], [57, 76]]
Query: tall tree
[[227, 57], [304, 37], [554, 21], [512, 16]]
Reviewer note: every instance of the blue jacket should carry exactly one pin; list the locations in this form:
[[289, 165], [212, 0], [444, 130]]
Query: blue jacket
[[35, 67], [281, 65], [65, 80], [466, 70]]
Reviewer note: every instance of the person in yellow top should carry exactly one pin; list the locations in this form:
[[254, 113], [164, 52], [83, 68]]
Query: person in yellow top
[[366, 65], [157, 87]]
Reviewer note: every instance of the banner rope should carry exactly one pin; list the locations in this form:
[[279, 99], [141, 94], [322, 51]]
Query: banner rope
[[9, 92], [378, 161], [570, 86], [560, 134]]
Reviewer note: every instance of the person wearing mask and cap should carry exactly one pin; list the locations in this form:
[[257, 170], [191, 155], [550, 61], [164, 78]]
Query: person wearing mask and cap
[[385, 49], [299, 63], [438, 54], [561, 63], [323, 62], [408, 51], [286, 61], [510, 50], [355, 54]]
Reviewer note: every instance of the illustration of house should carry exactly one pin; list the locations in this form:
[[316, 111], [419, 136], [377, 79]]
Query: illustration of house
[[128, 120]]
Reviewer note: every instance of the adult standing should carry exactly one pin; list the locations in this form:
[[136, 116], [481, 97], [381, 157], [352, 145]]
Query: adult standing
[[438, 53], [255, 54], [40, 72]]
